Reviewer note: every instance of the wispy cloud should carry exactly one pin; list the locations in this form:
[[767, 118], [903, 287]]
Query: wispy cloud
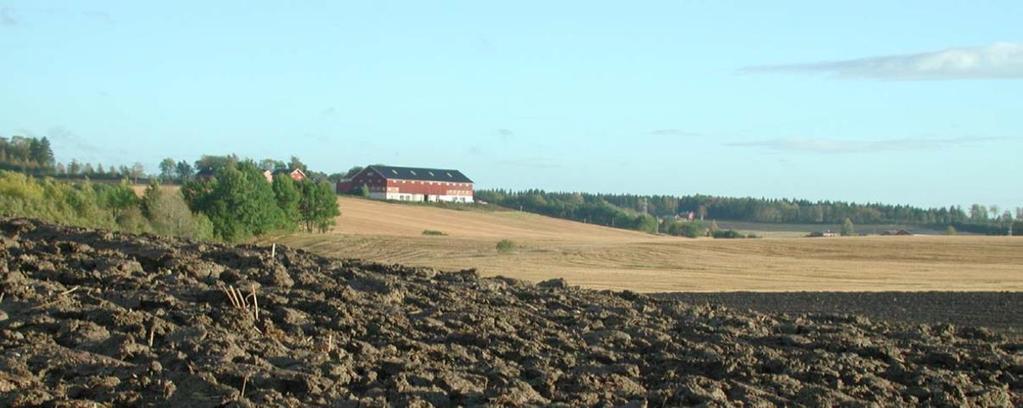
[[505, 135], [7, 17], [840, 146], [10, 16], [672, 132], [1002, 60]]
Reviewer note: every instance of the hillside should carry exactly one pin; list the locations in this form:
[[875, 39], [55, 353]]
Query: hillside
[[369, 217], [92, 317], [607, 258]]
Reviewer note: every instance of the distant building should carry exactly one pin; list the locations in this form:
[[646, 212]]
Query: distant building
[[823, 234], [900, 232], [296, 174], [411, 184]]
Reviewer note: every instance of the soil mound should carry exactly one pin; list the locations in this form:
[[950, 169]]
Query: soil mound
[[93, 316]]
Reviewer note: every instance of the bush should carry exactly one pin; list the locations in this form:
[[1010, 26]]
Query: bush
[[727, 234], [169, 215], [505, 246], [691, 229], [951, 230], [433, 232]]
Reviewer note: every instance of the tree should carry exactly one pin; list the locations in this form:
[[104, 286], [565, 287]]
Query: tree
[[184, 171], [237, 200], [169, 215], [289, 197], [847, 228], [167, 169], [119, 198], [296, 163], [1019, 213], [136, 171], [40, 152], [318, 206], [353, 171], [271, 164], [978, 213], [74, 168], [211, 164]]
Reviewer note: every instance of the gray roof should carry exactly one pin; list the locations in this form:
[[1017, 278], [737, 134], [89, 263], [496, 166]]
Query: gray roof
[[418, 173]]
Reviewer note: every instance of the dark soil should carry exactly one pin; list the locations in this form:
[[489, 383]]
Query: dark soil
[[92, 316], [999, 311]]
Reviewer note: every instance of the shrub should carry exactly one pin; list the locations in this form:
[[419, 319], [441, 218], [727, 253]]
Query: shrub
[[505, 246], [951, 230], [169, 215], [433, 232], [727, 234]]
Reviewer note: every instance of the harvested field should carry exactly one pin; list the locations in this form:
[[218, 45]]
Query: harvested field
[[606, 258], [92, 316]]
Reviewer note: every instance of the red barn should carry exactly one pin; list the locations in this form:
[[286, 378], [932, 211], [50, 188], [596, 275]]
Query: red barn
[[411, 184]]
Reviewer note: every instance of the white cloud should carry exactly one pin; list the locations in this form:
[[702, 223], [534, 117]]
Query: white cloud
[[838, 146], [996, 61]]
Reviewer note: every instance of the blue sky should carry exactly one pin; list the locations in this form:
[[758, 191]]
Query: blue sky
[[917, 102]]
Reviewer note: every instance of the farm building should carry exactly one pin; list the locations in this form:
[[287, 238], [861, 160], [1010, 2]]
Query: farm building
[[900, 232], [411, 184], [296, 174]]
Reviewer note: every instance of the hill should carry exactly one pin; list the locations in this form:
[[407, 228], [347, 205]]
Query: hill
[[608, 258], [92, 317]]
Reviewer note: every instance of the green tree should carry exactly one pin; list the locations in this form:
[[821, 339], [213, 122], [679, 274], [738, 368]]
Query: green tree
[[318, 206], [168, 214], [978, 213], [296, 163], [847, 228], [41, 153], [237, 200], [184, 171], [288, 195], [118, 198], [167, 169], [353, 171]]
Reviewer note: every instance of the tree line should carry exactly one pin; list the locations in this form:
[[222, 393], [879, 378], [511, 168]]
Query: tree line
[[101, 205], [231, 202], [668, 214]]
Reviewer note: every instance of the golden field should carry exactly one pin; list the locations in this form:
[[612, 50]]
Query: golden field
[[606, 258]]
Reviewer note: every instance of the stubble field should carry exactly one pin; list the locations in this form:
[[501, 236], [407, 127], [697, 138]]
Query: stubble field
[[605, 258]]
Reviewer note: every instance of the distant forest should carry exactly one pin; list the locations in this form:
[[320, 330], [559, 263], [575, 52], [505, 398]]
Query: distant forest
[[658, 212]]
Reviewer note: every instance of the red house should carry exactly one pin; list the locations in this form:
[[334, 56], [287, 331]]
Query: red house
[[297, 174], [411, 184]]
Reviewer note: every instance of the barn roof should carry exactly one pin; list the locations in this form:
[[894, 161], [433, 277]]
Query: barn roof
[[419, 173]]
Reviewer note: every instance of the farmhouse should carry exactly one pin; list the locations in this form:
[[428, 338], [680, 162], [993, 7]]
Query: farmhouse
[[296, 174], [411, 184]]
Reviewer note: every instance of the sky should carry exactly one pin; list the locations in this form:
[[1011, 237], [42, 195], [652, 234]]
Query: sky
[[908, 102]]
